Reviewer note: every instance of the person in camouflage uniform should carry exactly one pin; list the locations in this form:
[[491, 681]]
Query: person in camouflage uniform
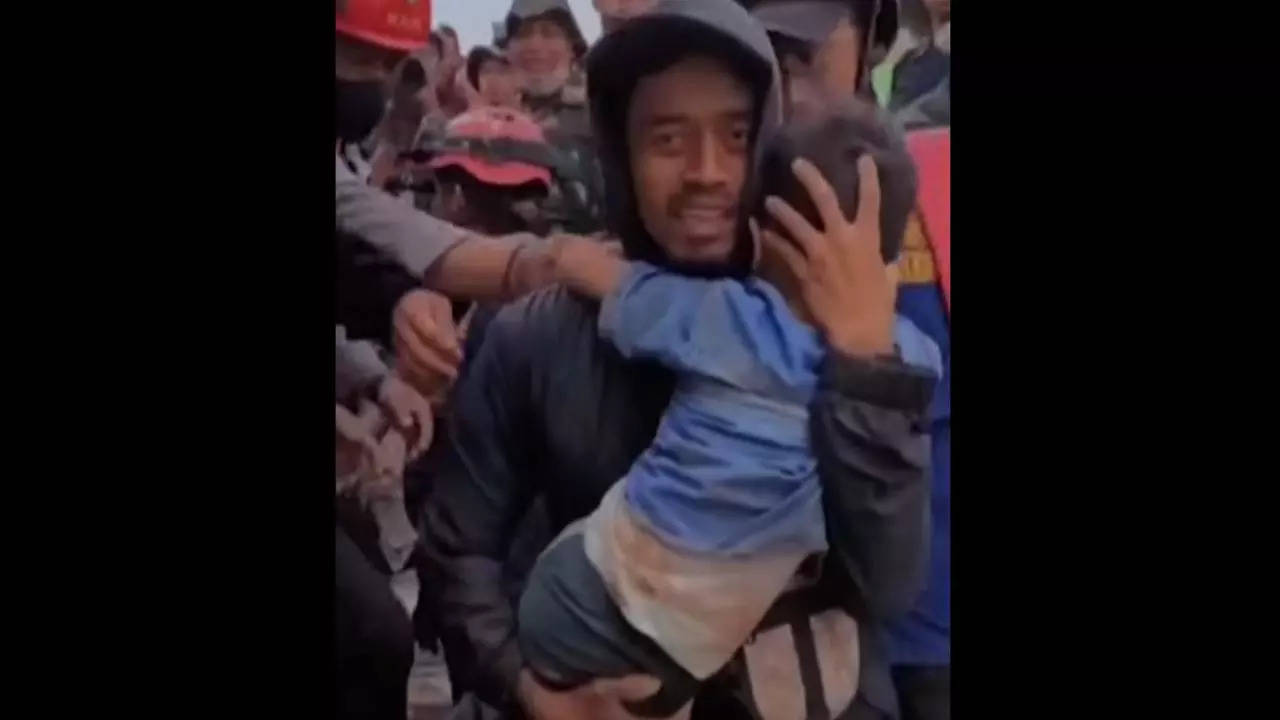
[[546, 47]]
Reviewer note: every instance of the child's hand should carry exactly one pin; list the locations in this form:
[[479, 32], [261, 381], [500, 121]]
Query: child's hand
[[587, 265]]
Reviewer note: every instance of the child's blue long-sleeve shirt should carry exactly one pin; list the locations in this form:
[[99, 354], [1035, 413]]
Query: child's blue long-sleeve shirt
[[730, 471]]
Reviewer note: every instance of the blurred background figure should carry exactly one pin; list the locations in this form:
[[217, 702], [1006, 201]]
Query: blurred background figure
[[432, 54], [413, 106], [824, 46], [544, 44], [613, 13], [919, 61], [451, 89], [451, 54], [495, 81], [545, 47], [490, 169]]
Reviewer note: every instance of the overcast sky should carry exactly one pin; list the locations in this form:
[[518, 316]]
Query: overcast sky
[[473, 18]]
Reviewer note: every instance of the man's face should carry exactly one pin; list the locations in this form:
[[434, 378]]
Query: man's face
[[541, 51], [498, 84], [688, 134]]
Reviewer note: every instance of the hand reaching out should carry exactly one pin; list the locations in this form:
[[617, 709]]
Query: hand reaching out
[[428, 350]]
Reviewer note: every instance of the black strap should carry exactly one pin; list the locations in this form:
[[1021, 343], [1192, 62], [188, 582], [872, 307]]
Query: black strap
[[801, 603], [794, 609], [815, 701]]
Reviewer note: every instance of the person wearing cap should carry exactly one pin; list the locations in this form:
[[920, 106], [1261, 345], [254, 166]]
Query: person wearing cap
[[545, 46], [490, 162], [495, 81], [823, 46], [389, 254], [547, 408], [372, 37], [490, 167], [919, 61]]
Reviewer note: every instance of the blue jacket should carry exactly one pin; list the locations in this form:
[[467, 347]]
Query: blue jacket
[[923, 636]]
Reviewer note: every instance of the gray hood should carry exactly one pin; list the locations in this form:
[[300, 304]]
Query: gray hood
[[672, 30]]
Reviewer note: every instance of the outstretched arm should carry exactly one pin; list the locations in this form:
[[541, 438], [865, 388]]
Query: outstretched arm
[[740, 333]]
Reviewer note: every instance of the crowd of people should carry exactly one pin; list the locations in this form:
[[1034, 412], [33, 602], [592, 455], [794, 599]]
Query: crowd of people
[[643, 359]]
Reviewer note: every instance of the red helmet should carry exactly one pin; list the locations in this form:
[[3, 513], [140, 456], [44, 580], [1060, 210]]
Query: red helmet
[[391, 24], [496, 146]]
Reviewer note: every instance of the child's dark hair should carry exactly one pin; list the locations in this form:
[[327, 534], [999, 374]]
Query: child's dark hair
[[833, 139]]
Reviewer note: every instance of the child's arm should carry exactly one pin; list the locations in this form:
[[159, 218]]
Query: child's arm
[[738, 332], [590, 267]]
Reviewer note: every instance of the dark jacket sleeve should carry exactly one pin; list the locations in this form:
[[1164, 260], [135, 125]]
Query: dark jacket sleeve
[[485, 486], [870, 436], [369, 284]]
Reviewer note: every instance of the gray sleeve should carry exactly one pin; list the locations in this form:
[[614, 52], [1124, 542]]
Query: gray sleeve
[[356, 364], [870, 436], [409, 236]]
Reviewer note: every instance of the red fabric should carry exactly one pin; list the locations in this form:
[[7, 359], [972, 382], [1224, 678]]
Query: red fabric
[[392, 24], [493, 173], [487, 123], [931, 150]]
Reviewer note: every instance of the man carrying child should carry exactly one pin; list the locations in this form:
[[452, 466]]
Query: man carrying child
[[547, 406]]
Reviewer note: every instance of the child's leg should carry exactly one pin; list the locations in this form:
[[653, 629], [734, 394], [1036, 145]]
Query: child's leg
[[571, 632]]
